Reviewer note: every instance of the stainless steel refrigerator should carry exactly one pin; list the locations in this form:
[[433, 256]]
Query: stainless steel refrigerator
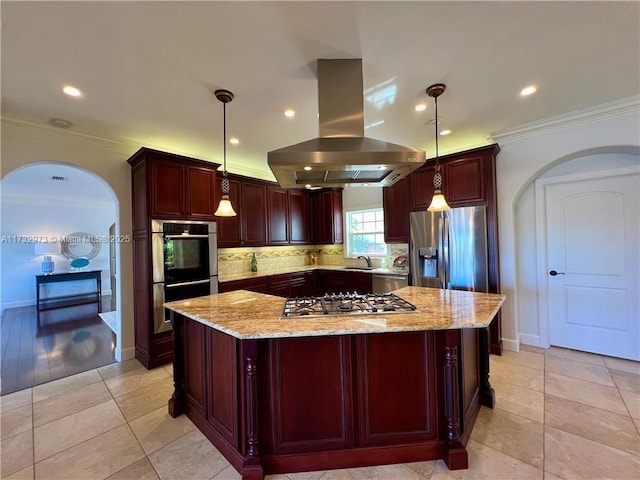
[[449, 249]]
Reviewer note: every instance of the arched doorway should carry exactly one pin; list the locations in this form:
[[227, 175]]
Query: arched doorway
[[66, 212], [530, 233]]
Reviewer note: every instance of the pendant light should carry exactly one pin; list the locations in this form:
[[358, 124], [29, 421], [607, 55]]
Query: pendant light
[[438, 202], [225, 209]]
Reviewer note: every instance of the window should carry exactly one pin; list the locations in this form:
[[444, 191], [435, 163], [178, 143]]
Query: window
[[365, 233]]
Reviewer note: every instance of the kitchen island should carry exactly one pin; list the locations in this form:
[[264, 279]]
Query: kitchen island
[[314, 393]]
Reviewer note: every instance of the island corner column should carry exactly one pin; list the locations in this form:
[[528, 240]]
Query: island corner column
[[177, 401], [252, 466]]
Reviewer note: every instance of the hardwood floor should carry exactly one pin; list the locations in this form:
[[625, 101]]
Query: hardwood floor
[[71, 340]]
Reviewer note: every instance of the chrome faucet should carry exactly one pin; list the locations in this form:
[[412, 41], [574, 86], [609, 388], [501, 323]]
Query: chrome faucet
[[366, 259]]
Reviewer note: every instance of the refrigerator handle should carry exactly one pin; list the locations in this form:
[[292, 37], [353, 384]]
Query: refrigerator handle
[[443, 250]]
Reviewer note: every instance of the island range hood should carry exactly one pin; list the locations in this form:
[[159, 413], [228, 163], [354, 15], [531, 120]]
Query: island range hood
[[342, 155]]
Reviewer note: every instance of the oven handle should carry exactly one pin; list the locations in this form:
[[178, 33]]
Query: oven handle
[[180, 237], [183, 284]]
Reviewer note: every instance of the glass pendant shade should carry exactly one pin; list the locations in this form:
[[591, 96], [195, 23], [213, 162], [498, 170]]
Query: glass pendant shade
[[438, 203], [225, 209]]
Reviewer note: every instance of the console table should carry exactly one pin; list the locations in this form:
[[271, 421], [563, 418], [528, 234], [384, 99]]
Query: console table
[[72, 300]]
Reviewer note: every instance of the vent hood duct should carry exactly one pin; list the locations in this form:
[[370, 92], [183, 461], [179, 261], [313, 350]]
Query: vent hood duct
[[342, 155]]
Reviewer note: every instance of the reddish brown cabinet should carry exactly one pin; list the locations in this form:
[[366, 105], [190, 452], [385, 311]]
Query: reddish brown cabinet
[[343, 281], [278, 213], [421, 188], [254, 213], [163, 186], [327, 216], [396, 206], [299, 216], [298, 284]]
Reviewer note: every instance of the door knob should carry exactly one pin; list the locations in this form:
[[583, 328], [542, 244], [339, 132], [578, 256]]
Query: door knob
[[553, 273]]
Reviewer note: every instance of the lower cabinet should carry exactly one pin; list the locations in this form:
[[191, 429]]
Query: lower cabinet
[[342, 281], [258, 284], [298, 284]]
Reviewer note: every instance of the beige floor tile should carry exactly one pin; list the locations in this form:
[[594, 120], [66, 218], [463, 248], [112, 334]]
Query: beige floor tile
[[136, 379], [626, 380], [510, 434], [16, 453], [340, 474], [630, 366], [532, 349], [96, 458], [15, 400], [526, 359], [578, 356], [144, 400], [522, 401], [384, 472], [590, 393], [551, 476], [169, 369], [632, 401], [302, 475], [16, 421], [191, 456], [637, 422], [583, 371], [602, 426], [228, 473], [26, 474], [140, 470], [571, 456], [422, 468], [157, 429], [53, 408], [120, 368], [517, 375], [71, 430], [64, 385], [486, 463], [277, 477]]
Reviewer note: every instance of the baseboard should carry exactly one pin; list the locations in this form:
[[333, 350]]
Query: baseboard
[[512, 345], [125, 354], [532, 340]]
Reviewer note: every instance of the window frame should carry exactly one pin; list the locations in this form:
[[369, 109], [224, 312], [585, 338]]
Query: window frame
[[348, 239]]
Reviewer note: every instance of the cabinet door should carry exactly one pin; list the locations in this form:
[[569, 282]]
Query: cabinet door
[[422, 187], [229, 234], [277, 215], [464, 181], [200, 193], [299, 216], [167, 190], [328, 217], [194, 353], [279, 286], [254, 213], [259, 284], [395, 203]]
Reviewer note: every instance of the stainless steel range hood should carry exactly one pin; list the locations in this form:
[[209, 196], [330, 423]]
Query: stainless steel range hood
[[342, 155]]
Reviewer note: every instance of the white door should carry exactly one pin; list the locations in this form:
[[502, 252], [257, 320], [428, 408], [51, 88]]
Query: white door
[[593, 246]]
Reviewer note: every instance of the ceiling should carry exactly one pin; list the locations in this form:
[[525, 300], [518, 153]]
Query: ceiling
[[148, 69]]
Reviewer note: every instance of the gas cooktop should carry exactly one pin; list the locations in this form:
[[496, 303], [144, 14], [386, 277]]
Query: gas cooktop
[[346, 304]]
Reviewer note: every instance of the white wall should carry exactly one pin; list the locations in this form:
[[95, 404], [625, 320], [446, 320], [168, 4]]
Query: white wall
[[23, 216], [360, 198], [25, 143], [525, 156]]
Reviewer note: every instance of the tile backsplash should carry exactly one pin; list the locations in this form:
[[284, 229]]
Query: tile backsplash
[[237, 260]]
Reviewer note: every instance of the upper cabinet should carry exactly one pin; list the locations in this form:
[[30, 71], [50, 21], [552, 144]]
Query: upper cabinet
[[169, 186], [299, 216], [327, 216], [396, 205], [253, 213]]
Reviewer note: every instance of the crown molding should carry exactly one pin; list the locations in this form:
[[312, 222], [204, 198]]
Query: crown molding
[[617, 108], [50, 133]]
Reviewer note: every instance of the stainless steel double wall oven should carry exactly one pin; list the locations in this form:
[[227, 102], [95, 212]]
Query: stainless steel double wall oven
[[184, 264]]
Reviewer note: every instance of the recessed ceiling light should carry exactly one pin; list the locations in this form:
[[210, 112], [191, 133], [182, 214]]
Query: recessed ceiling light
[[289, 113], [307, 168], [526, 91], [71, 91], [420, 107], [234, 140], [445, 132]]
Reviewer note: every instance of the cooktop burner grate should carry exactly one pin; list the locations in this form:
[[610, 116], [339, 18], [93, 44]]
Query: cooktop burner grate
[[346, 304]]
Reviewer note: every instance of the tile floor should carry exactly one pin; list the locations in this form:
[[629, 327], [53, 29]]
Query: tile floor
[[560, 414]]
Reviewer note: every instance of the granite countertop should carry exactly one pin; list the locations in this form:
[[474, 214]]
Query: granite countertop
[[305, 268], [247, 315]]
